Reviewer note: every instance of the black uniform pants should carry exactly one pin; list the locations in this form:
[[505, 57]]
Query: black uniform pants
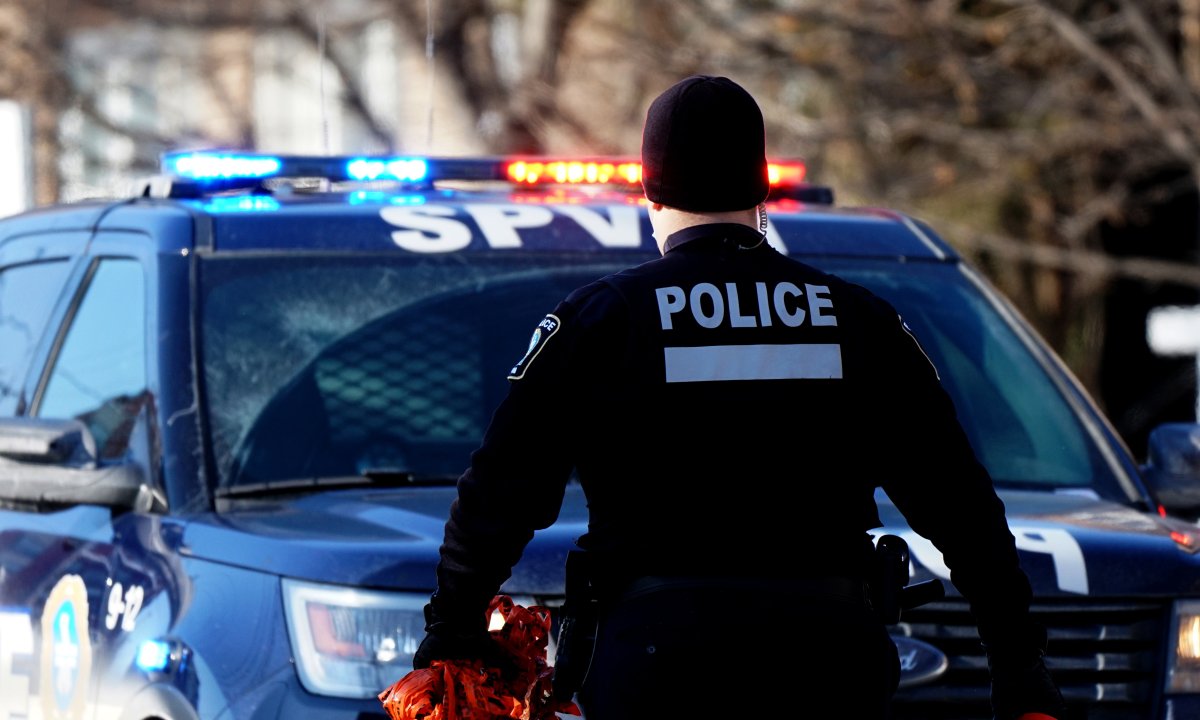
[[716, 651]]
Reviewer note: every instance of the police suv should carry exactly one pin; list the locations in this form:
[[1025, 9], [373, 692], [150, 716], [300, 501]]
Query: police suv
[[233, 408]]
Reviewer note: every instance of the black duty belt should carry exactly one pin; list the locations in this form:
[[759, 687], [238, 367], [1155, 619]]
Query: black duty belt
[[839, 588]]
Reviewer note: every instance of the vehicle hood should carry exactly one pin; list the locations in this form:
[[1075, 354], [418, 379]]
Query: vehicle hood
[[1069, 543], [1074, 544], [383, 538]]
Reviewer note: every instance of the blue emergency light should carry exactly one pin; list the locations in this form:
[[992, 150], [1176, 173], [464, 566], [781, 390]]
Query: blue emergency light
[[402, 169], [229, 168], [241, 204], [209, 166], [153, 656]]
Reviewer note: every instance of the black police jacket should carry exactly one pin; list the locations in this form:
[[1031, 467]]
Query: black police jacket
[[670, 386]]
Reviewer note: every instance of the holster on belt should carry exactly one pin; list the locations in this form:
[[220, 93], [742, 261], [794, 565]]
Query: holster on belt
[[577, 627], [888, 586]]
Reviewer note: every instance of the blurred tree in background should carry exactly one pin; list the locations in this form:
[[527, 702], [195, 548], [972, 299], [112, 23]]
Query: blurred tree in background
[[1055, 142]]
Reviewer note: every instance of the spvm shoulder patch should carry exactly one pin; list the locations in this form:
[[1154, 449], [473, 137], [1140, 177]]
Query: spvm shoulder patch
[[541, 335]]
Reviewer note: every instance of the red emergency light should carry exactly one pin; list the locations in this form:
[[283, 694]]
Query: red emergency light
[[573, 172], [786, 174], [618, 171]]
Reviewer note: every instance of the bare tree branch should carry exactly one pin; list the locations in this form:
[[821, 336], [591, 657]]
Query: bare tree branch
[[1081, 262], [1116, 74], [1189, 33], [352, 90], [1164, 62]]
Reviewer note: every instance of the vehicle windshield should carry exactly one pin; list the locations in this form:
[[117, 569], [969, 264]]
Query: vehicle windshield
[[1012, 406], [338, 365]]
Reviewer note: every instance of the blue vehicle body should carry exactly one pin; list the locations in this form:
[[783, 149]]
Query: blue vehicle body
[[183, 592]]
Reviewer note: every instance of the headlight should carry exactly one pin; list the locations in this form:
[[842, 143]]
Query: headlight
[[352, 643], [1183, 672]]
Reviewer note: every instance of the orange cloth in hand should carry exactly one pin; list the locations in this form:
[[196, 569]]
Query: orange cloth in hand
[[469, 690]]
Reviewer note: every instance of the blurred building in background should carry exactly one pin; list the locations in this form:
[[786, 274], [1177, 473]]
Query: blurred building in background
[[150, 88], [16, 166]]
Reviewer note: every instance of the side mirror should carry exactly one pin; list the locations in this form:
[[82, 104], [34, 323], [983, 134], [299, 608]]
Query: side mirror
[[37, 440], [1172, 469], [53, 462]]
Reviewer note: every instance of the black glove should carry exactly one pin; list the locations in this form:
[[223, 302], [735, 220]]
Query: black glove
[[447, 643], [1023, 685], [459, 639]]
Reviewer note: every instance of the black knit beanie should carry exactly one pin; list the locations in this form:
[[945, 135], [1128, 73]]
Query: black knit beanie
[[704, 147]]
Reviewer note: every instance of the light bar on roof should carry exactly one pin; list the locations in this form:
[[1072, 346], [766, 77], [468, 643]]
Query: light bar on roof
[[229, 170]]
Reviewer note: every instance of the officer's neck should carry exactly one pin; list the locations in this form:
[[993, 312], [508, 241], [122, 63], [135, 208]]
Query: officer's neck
[[669, 220]]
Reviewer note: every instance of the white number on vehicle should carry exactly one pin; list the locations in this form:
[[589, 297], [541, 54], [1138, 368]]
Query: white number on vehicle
[[124, 606], [1070, 569]]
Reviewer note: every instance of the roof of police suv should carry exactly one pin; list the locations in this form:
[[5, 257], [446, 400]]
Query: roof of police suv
[[461, 220]]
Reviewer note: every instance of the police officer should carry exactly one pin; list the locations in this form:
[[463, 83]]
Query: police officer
[[672, 386]]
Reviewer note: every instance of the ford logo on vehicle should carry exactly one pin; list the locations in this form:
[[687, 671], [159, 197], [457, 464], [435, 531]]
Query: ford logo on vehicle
[[920, 662]]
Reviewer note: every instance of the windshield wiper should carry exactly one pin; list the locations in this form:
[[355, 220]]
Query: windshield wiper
[[400, 476], [382, 477]]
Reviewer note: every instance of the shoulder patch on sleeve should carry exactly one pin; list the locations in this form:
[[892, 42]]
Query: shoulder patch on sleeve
[[541, 335]]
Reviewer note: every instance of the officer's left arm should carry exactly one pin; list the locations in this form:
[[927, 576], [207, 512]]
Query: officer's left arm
[[929, 469], [947, 496]]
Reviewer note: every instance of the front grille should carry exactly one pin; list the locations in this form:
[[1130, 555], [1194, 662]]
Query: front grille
[[1104, 655]]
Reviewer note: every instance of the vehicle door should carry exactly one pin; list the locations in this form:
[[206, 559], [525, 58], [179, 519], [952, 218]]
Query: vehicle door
[[36, 269], [84, 569]]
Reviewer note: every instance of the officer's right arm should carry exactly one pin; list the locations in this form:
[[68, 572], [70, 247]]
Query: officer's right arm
[[517, 477], [513, 486]]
